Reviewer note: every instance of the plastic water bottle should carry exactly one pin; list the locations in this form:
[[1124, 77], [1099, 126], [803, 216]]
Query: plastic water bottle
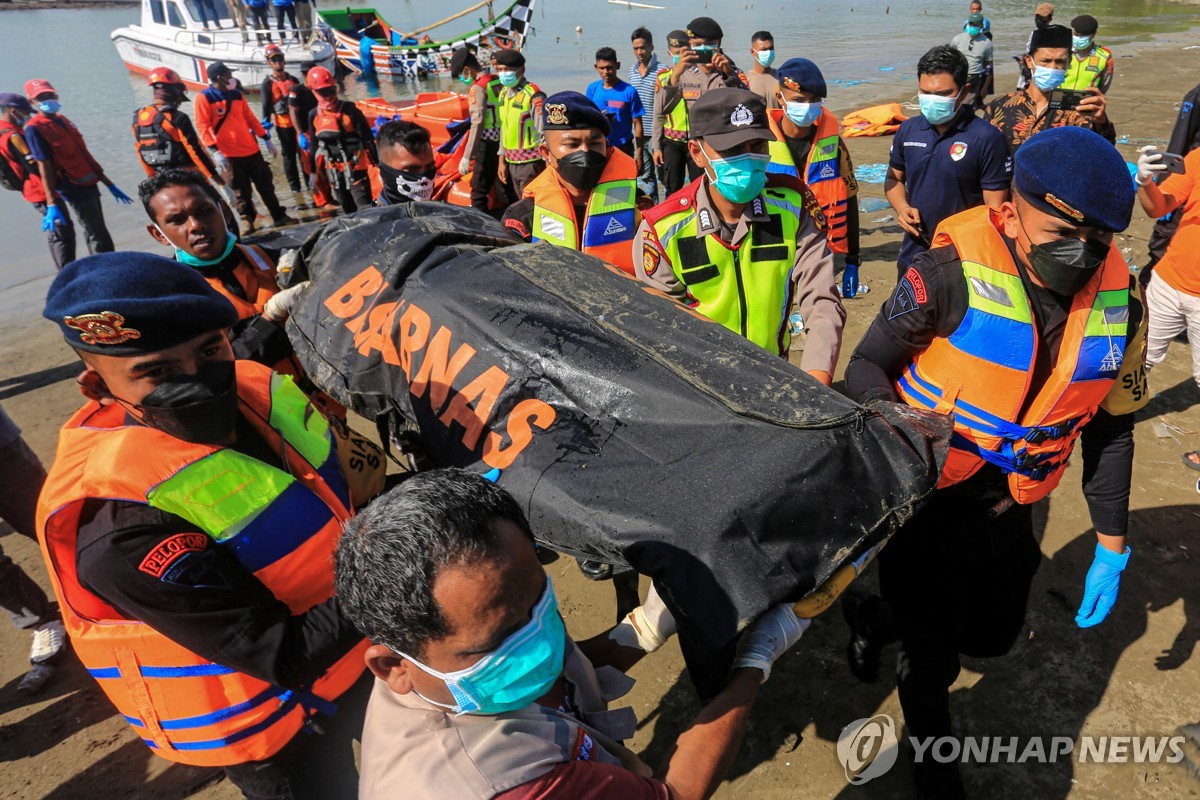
[[850, 280], [796, 323]]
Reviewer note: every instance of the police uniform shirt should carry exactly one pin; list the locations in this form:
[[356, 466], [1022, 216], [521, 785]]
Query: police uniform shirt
[[202, 597], [945, 173], [812, 273], [694, 82], [931, 301]]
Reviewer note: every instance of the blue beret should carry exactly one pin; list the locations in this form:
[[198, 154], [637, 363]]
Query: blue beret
[[802, 75], [571, 111], [130, 303], [1076, 175]]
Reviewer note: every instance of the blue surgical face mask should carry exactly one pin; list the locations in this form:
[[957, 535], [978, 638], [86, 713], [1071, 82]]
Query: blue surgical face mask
[[803, 114], [509, 79], [972, 31], [514, 675], [49, 106], [1048, 78], [675, 58], [1081, 42], [739, 178], [184, 257], [936, 109], [464, 80], [765, 57]]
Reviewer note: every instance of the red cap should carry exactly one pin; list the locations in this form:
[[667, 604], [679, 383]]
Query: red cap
[[164, 75], [319, 78], [272, 50], [38, 86]]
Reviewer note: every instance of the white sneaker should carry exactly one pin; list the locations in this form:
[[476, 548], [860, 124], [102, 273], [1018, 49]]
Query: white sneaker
[[48, 641]]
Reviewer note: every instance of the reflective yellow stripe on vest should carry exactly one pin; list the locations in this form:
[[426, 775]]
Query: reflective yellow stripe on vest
[[518, 134], [747, 290], [1088, 72], [675, 122], [610, 206], [225, 492], [491, 119]]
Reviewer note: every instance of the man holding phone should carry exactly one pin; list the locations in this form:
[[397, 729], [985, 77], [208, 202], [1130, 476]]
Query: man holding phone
[[1043, 104], [701, 67]]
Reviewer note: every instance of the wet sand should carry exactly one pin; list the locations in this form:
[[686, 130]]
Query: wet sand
[[1134, 675]]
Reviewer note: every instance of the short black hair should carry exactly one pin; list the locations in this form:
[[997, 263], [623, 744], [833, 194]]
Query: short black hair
[[173, 177], [762, 36], [392, 553], [944, 60], [607, 54], [642, 33], [409, 135]]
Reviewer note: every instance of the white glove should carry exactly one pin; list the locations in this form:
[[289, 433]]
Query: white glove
[[464, 166], [271, 148], [1149, 165], [647, 627], [279, 307], [769, 637], [219, 161]]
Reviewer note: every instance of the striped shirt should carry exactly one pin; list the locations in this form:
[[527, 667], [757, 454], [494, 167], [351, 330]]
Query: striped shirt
[[645, 88]]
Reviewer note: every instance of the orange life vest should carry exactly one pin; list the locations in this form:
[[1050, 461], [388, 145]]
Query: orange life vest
[[981, 373], [72, 159], [336, 131], [256, 275], [31, 182], [280, 89], [822, 172], [282, 526], [611, 217]]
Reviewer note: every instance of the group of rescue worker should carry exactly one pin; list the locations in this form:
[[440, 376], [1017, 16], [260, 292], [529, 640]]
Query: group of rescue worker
[[195, 498]]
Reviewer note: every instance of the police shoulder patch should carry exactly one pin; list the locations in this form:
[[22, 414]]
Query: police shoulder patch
[[813, 208], [650, 259], [158, 561]]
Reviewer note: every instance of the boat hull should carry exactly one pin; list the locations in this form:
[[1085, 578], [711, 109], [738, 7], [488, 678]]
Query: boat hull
[[143, 52]]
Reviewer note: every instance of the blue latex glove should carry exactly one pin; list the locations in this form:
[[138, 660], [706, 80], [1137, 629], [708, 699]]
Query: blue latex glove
[[1101, 585], [303, 141], [119, 196], [53, 217], [267, 124], [850, 280]]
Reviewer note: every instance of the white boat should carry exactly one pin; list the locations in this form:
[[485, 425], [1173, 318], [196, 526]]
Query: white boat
[[170, 35]]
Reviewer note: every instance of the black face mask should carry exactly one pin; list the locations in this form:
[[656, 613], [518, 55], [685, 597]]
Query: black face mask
[[1066, 265], [1041, 22], [402, 186], [582, 168], [200, 408]]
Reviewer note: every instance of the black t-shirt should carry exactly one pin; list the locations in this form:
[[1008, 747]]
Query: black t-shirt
[[930, 302], [158, 568]]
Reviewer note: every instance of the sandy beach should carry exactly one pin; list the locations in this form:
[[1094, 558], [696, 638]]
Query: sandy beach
[[1135, 675]]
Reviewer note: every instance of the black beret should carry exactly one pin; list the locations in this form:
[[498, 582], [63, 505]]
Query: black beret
[[677, 38], [508, 58], [802, 75], [571, 111], [462, 58], [704, 28], [1051, 36], [1085, 25], [129, 303], [1075, 174], [727, 117]]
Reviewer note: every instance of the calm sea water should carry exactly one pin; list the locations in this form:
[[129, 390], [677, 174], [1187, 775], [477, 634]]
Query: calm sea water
[[871, 48]]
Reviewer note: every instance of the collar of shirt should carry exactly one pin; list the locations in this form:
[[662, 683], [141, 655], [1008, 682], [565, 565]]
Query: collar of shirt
[[651, 71], [709, 221]]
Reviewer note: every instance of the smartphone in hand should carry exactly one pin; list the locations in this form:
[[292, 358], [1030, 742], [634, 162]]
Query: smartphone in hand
[[1066, 99]]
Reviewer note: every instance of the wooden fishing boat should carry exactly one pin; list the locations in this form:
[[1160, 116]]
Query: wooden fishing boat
[[366, 44]]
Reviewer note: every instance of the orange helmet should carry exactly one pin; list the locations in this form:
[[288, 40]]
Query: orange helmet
[[164, 75], [319, 78], [271, 50]]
